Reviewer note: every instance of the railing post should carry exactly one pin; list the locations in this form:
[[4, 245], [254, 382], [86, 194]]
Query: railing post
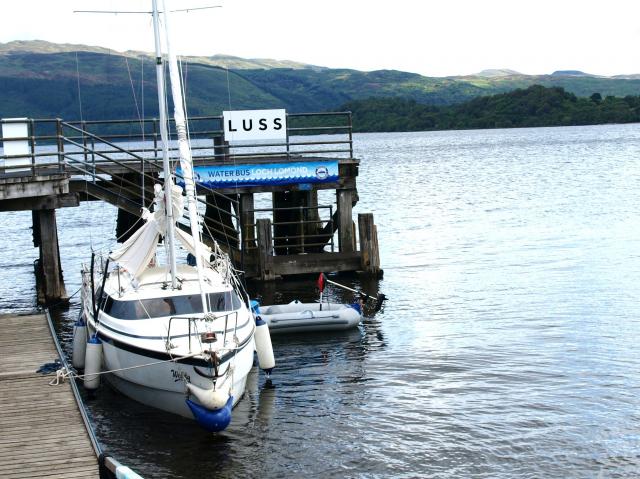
[[301, 226], [288, 153], [60, 142], [83, 127], [350, 135], [333, 247], [32, 146]]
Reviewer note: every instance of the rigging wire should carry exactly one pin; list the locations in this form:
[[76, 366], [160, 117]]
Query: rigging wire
[[79, 92], [140, 120]]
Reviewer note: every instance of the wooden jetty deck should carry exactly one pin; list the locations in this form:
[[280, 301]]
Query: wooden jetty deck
[[43, 433]]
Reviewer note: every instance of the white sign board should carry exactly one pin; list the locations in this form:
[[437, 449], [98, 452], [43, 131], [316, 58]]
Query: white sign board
[[255, 125], [16, 147]]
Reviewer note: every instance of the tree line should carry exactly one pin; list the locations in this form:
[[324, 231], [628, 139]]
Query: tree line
[[534, 106]]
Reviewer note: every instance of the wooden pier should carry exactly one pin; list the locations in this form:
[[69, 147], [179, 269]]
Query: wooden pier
[[50, 164], [43, 433]]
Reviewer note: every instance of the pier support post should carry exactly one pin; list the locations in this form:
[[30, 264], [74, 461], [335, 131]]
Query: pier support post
[[46, 238], [129, 186], [345, 222], [370, 254], [247, 220], [265, 250], [127, 224]]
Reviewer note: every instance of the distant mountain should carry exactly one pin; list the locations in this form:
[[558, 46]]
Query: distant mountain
[[40, 79], [501, 72], [571, 73], [224, 61]]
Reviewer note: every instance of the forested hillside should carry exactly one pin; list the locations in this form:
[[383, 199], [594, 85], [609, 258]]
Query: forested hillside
[[533, 106], [45, 80]]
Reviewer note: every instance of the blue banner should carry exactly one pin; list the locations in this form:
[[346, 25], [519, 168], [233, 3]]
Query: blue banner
[[229, 176]]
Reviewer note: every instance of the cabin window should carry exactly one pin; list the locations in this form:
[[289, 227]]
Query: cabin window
[[170, 306]]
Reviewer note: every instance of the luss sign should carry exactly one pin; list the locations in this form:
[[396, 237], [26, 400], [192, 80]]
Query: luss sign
[[255, 125]]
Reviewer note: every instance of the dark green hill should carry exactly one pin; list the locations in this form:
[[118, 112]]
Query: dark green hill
[[46, 85], [40, 79], [530, 107]]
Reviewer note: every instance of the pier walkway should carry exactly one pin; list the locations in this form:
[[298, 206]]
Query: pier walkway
[[43, 432]]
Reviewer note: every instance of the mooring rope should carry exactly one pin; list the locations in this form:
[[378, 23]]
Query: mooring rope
[[63, 373]]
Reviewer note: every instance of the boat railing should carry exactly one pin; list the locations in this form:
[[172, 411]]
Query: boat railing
[[193, 327]]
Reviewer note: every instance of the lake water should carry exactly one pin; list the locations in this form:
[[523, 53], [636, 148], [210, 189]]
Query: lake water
[[508, 346]]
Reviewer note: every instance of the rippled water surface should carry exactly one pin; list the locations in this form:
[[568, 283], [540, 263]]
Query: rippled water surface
[[508, 346]]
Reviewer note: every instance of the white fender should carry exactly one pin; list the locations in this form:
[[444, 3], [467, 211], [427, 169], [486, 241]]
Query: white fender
[[93, 363], [263, 345], [210, 398], [79, 343]]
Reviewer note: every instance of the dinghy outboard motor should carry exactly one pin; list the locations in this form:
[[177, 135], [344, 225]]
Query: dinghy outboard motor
[[380, 301]]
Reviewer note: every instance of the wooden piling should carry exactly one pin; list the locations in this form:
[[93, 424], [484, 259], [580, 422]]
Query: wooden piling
[[51, 283], [247, 220], [369, 252], [265, 250], [127, 222], [345, 222]]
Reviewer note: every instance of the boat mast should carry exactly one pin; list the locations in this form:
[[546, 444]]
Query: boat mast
[[186, 161], [164, 135]]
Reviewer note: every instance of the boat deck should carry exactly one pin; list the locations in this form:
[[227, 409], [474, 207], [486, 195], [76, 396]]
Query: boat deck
[[43, 433]]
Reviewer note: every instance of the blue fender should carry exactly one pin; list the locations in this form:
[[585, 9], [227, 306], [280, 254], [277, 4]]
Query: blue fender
[[213, 421]]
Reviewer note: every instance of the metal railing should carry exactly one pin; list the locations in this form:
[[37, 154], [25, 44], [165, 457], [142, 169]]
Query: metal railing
[[296, 230], [44, 141], [89, 151], [85, 160], [37, 144]]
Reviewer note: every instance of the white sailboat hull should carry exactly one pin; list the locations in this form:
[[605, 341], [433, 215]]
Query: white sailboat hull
[[161, 386]]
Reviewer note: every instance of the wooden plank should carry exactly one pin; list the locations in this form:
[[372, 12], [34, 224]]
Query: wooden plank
[[314, 262], [43, 431]]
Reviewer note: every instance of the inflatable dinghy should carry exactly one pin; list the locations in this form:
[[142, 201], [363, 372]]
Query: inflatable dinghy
[[297, 317]]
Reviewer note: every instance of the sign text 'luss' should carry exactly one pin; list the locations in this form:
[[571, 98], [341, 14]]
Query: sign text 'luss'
[[255, 125]]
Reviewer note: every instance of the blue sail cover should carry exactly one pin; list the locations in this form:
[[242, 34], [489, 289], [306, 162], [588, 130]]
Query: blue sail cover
[[229, 176]]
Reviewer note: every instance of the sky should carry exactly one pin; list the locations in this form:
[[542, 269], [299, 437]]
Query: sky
[[430, 37]]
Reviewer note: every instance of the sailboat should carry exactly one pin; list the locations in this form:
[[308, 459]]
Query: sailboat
[[177, 337]]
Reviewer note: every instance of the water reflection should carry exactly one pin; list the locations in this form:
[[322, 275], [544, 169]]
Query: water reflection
[[507, 347]]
